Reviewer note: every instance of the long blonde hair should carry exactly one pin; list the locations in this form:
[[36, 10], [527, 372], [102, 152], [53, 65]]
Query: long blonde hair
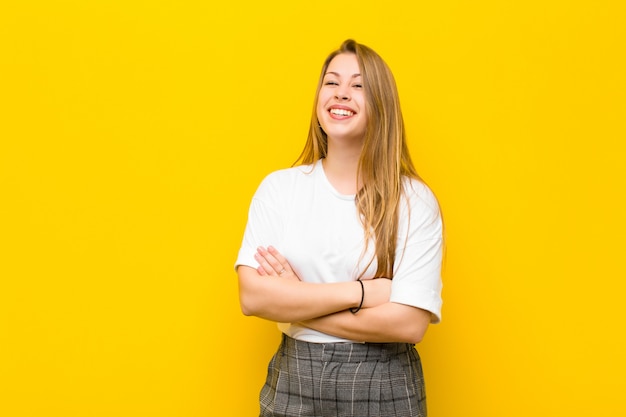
[[384, 159]]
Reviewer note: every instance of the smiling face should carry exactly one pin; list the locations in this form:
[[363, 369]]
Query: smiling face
[[341, 105]]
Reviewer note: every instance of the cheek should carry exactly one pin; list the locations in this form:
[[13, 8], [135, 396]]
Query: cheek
[[320, 110], [363, 108]]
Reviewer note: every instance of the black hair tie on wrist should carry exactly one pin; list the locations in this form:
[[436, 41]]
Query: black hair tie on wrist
[[355, 310]]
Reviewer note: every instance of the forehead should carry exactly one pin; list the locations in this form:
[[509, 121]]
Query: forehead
[[344, 64]]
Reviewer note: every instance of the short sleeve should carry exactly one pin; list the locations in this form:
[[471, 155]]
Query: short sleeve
[[264, 225], [417, 268]]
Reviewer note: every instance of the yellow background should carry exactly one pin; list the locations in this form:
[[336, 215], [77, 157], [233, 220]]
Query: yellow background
[[133, 134]]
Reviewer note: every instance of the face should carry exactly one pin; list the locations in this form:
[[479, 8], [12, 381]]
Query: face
[[341, 101]]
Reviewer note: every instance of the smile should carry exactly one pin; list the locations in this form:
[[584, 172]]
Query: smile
[[341, 112]]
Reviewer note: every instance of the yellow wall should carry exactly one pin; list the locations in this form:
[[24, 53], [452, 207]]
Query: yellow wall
[[133, 134]]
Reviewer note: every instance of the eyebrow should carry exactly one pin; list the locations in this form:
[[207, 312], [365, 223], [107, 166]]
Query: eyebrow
[[337, 74]]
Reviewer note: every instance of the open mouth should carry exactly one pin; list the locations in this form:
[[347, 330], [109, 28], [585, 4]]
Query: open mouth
[[341, 112]]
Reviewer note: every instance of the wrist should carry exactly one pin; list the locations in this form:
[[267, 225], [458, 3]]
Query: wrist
[[361, 298]]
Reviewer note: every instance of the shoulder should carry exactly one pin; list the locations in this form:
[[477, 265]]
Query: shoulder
[[419, 208], [419, 195], [289, 174], [283, 181]]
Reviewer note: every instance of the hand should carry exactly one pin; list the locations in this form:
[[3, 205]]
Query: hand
[[272, 263], [377, 291]]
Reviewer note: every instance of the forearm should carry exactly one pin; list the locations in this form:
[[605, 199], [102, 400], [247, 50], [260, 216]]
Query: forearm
[[282, 300], [389, 322]]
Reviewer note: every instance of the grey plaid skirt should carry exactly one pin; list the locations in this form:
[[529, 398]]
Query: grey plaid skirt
[[344, 379]]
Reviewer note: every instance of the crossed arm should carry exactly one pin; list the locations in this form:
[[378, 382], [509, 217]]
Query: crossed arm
[[273, 291]]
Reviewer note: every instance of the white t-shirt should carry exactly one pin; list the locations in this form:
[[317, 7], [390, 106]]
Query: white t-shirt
[[318, 230]]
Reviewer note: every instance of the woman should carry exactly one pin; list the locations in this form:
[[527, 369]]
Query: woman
[[344, 252]]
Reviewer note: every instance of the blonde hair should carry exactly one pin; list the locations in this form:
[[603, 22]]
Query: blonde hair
[[384, 159]]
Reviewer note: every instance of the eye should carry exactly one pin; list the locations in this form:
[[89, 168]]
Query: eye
[[331, 82], [357, 85]]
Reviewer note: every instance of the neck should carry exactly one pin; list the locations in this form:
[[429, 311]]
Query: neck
[[341, 166]]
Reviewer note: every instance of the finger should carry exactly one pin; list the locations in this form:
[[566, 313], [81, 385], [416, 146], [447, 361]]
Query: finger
[[270, 259], [261, 271], [285, 267], [269, 264], [269, 270]]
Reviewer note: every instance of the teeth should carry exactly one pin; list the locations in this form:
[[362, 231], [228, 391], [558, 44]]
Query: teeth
[[341, 112]]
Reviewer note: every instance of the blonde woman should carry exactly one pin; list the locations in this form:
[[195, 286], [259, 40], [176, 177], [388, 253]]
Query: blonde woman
[[344, 251]]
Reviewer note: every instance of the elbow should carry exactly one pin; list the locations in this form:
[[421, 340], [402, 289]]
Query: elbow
[[401, 334], [416, 337], [252, 304], [248, 291], [246, 311], [416, 331], [412, 323], [419, 332], [405, 333], [248, 305], [249, 311]]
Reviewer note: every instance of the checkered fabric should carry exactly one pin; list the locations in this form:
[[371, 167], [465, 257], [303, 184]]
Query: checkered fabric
[[344, 379]]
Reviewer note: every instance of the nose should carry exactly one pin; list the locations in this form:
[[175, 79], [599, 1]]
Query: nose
[[342, 94]]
